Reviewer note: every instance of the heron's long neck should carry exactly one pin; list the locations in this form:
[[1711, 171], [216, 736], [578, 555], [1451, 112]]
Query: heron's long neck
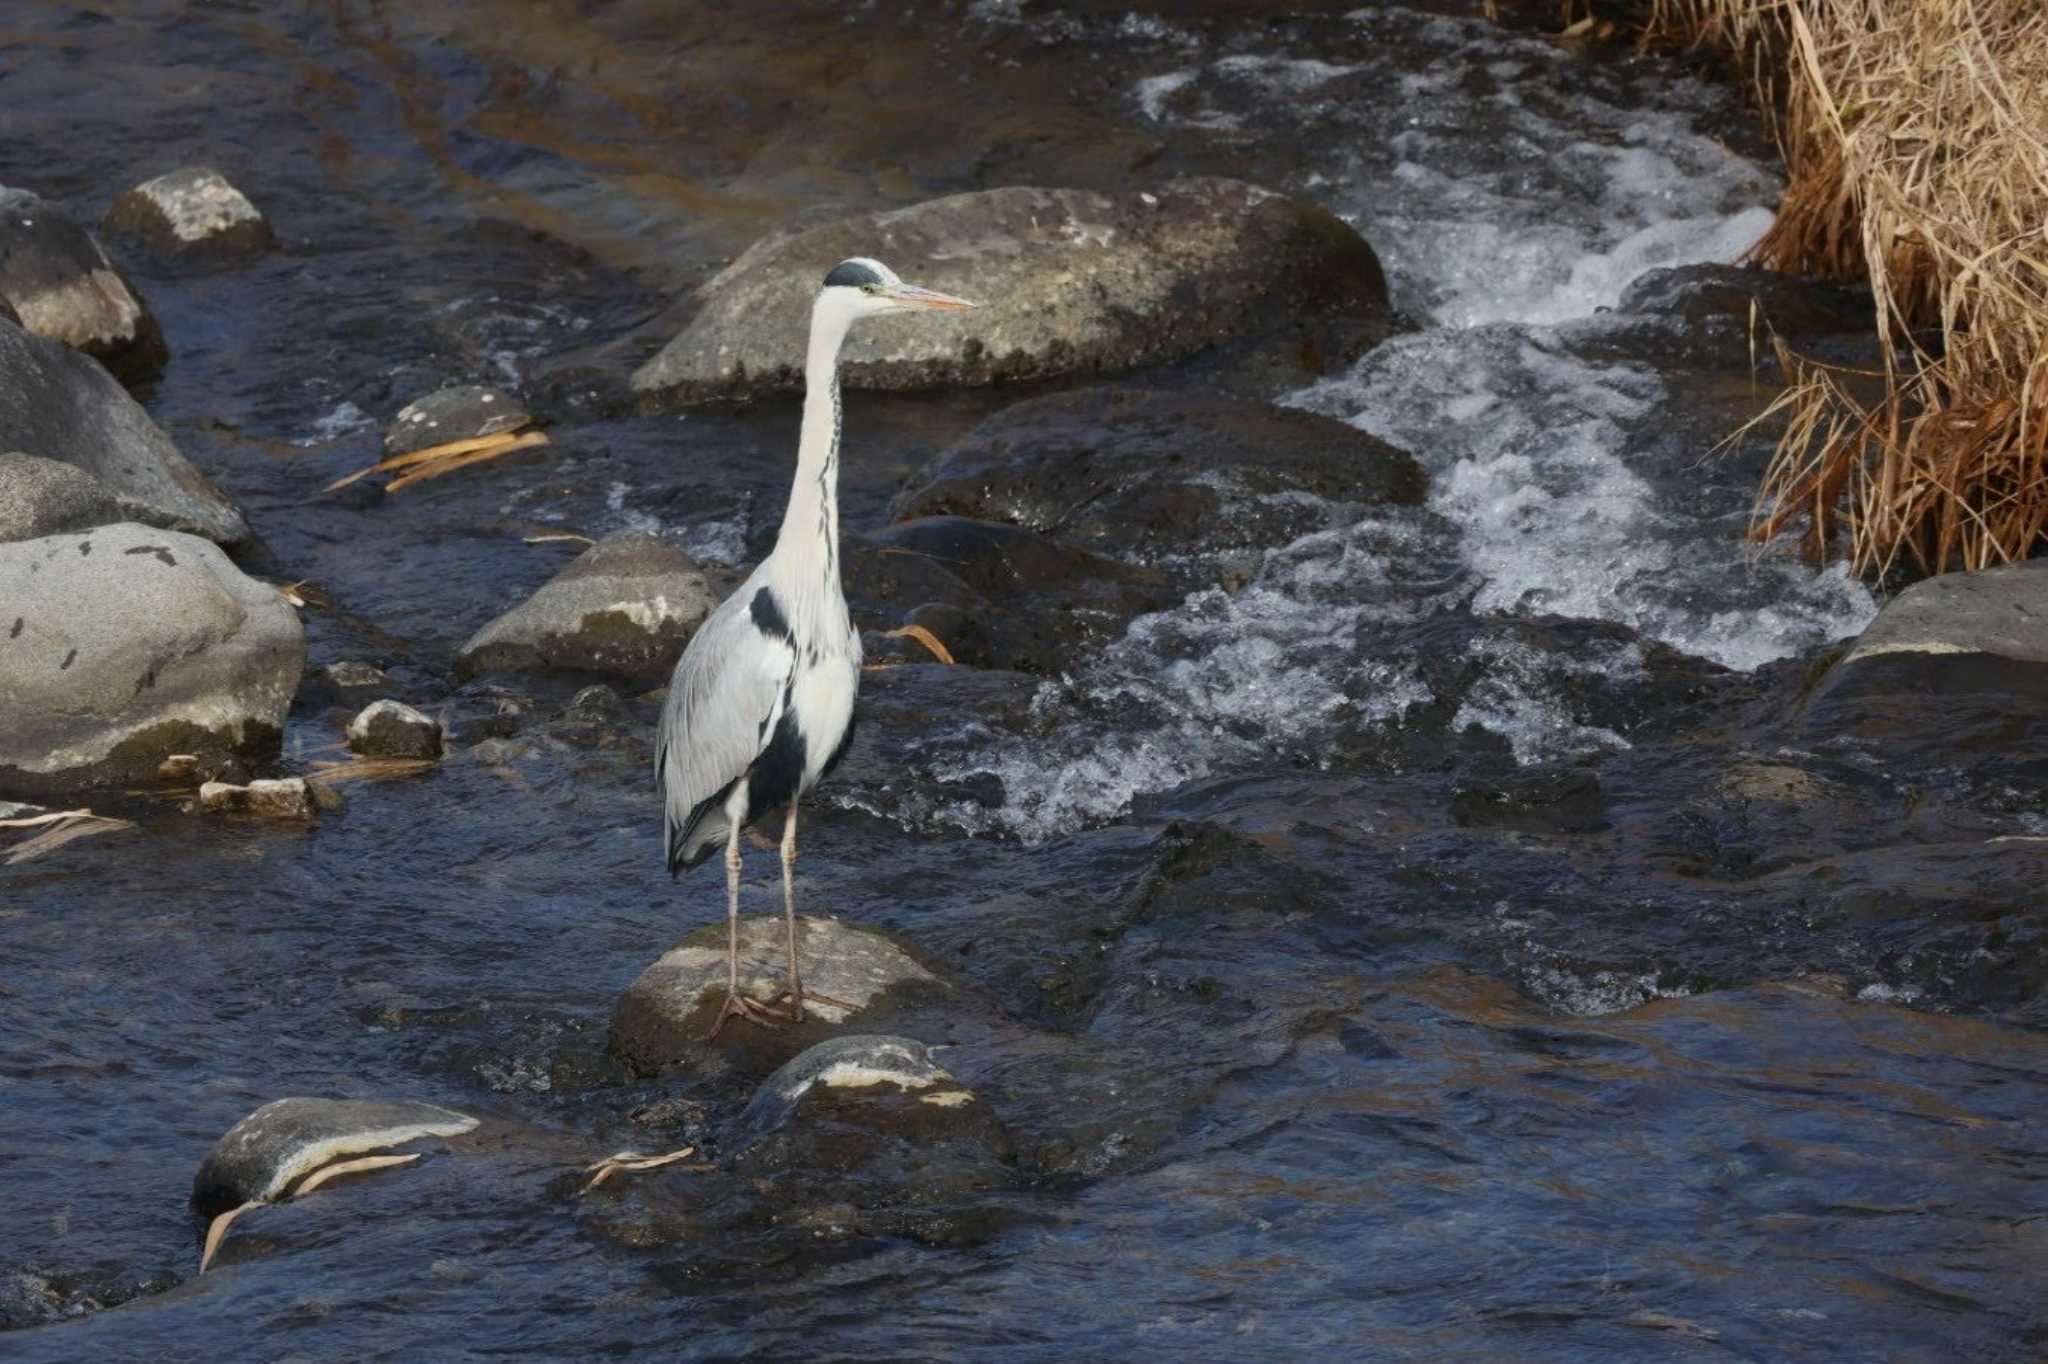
[[808, 546]]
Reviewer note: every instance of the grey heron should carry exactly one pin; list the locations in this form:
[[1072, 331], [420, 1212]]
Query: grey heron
[[761, 703]]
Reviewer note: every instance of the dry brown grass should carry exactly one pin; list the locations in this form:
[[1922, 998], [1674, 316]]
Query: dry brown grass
[[1914, 144]]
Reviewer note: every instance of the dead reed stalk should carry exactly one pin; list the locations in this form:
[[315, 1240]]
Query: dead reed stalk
[[1913, 133]]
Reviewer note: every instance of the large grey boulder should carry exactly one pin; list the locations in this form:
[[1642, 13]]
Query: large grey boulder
[[663, 1017], [2000, 611], [624, 608], [1072, 282], [194, 210], [1161, 475], [59, 405], [63, 285], [44, 497], [123, 645]]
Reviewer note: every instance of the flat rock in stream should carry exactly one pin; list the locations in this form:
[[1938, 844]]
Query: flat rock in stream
[[1144, 474], [62, 285], [263, 1156], [194, 210], [59, 405], [1071, 282], [2000, 611], [459, 412], [392, 729], [624, 608], [124, 645], [663, 1017]]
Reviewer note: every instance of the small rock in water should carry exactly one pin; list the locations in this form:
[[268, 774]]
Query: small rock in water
[[290, 1146], [63, 286], [859, 1062], [194, 209], [58, 405], [625, 608], [392, 729], [123, 646], [1788, 306], [2000, 611], [352, 673], [279, 798], [455, 413], [664, 1014], [45, 497], [1074, 282]]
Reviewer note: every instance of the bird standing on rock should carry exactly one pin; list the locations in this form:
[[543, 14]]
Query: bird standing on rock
[[761, 703]]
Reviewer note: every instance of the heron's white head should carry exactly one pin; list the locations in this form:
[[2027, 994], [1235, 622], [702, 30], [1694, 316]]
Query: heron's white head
[[862, 287]]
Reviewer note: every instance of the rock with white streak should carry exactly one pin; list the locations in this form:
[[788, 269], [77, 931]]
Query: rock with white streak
[[279, 798], [1072, 282], [123, 646], [194, 210], [62, 284], [624, 609], [392, 729]]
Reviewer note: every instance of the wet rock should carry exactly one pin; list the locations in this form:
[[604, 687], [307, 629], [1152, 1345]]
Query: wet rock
[[870, 1122], [58, 405], [353, 673], [997, 595], [1561, 802], [663, 1017], [456, 413], [282, 798], [290, 1145], [1150, 474], [392, 729], [1787, 305], [45, 497], [63, 286], [124, 645], [2000, 611], [1073, 282], [194, 210], [625, 608]]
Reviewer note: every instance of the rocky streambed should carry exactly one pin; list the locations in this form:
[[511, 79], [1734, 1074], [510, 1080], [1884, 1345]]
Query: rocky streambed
[[1383, 872]]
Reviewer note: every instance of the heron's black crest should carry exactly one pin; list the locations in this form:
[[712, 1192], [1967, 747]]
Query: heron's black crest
[[853, 274], [768, 617]]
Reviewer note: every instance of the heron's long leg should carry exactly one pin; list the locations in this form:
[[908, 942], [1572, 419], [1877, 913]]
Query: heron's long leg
[[796, 981], [735, 1002]]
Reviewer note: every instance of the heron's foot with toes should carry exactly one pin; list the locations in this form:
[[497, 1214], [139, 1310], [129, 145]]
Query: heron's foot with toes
[[796, 996], [738, 1005]]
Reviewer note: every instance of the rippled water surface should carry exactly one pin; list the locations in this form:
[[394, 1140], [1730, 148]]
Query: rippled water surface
[[1476, 930]]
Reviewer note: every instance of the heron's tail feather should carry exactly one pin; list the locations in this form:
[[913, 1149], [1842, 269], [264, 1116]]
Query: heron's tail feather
[[695, 837]]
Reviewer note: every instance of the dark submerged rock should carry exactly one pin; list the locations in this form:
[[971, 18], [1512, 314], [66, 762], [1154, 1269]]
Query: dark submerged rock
[[996, 595], [392, 729], [456, 413], [1147, 474], [1787, 305], [45, 497], [191, 210], [663, 1017], [1072, 282], [123, 645], [624, 608], [63, 286], [265, 1155], [59, 405]]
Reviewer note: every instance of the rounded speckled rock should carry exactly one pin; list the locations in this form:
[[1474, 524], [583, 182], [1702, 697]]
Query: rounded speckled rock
[[47, 497], [58, 405], [1073, 282], [663, 1016], [624, 608], [857, 1062], [123, 645], [265, 1155], [63, 286], [459, 412], [195, 210], [392, 729]]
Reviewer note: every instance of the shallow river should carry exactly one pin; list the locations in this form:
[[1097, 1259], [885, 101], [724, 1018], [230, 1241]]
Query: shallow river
[[1468, 937]]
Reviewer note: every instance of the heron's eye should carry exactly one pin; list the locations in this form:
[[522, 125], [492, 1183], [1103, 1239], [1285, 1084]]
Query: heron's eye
[[871, 288]]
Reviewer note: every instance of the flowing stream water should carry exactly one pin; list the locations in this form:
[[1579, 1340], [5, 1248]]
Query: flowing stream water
[[1460, 939]]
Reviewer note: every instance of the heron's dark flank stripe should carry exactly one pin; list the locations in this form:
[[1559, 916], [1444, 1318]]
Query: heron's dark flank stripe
[[768, 617], [775, 776]]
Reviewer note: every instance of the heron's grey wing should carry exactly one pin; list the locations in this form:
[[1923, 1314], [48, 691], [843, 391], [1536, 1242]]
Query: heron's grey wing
[[723, 702]]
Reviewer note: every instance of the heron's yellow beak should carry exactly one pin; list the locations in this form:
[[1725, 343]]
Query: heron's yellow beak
[[916, 296]]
